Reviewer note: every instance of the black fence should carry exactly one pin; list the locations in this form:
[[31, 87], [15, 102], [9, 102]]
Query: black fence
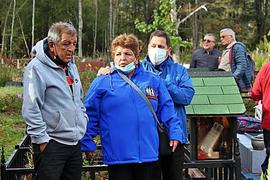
[[19, 166]]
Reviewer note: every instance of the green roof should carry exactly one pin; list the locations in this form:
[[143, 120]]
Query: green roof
[[216, 93]]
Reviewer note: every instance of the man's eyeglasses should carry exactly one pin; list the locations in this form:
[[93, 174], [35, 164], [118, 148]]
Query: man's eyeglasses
[[207, 40], [222, 37]]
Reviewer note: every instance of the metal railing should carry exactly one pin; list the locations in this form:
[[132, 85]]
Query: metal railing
[[20, 165]]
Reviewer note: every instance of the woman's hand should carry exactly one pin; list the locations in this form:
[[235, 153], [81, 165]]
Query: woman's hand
[[104, 71], [90, 154], [173, 144]]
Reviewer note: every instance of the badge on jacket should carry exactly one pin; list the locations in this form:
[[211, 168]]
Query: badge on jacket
[[150, 93]]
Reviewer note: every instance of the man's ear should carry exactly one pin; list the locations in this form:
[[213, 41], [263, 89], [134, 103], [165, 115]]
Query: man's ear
[[170, 53], [51, 46]]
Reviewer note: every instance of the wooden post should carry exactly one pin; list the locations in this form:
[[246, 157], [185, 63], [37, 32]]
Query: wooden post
[[18, 63], [3, 166]]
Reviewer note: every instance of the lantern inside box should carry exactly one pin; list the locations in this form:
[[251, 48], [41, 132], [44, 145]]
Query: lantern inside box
[[213, 138]]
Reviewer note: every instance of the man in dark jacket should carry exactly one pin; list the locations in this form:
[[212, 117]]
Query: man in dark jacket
[[207, 56]]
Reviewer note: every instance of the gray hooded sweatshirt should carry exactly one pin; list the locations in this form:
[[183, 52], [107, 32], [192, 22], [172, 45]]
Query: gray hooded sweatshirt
[[51, 110]]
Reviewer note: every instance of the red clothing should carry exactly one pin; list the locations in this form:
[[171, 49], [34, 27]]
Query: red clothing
[[261, 91]]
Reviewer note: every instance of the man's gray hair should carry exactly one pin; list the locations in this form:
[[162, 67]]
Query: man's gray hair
[[229, 31], [57, 29], [210, 34]]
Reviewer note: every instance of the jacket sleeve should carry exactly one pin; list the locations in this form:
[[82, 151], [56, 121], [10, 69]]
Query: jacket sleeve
[[256, 92], [166, 113], [180, 87], [92, 105], [34, 89], [239, 58], [193, 62]]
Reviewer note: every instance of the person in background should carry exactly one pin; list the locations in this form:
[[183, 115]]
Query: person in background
[[179, 85], [208, 55], [260, 92], [53, 107], [234, 59], [127, 127]]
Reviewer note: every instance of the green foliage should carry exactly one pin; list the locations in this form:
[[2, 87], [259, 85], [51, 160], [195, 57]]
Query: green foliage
[[249, 104], [8, 74], [12, 130], [262, 53], [177, 40], [86, 78], [162, 21], [10, 100]]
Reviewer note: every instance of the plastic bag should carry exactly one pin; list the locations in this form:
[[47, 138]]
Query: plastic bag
[[258, 111]]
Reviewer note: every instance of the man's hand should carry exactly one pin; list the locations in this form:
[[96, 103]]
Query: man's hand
[[104, 71], [173, 144], [90, 154], [42, 146]]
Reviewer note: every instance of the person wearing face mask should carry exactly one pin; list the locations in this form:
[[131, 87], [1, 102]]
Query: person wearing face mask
[[179, 85], [207, 56], [116, 111], [53, 107]]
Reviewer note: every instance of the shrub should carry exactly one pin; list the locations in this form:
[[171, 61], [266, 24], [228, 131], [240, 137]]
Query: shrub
[[8, 74], [86, 78], [10, 99]]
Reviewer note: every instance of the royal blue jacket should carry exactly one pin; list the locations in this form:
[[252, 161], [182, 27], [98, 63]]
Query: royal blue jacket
[[121, 116], [179, 85]]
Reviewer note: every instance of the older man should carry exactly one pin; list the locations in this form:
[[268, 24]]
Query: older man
[[52, 106], [207, 56], [234, 59]]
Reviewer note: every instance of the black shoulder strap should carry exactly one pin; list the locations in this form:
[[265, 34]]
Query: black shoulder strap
[[137, 89]]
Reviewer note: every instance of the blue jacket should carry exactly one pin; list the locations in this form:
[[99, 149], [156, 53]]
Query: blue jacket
[[241, 71], [121, 116], [179, 85]]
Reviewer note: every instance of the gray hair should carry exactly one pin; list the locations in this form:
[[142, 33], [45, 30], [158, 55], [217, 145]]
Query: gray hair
[[57, 29], [210, 34], [229, 31]]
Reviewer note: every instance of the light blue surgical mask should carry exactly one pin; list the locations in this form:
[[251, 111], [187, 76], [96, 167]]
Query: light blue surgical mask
[[157, 55], [127, 69]]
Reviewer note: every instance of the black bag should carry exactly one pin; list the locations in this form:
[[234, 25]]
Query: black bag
[[164, 141]]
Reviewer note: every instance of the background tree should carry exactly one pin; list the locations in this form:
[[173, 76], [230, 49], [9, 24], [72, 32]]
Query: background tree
[[103, 20], [80, 28]]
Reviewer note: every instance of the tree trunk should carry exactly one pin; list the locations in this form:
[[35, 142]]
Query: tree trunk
[[95, 30], [12, 27], [110, 20], [195, 40], [175, 19], [33, 24], [80, 29], [260, 20], [115, 12], [4, 31], [23, 36]]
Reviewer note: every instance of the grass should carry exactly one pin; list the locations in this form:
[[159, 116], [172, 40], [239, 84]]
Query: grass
[[10, 100], [12, 130], [10, 90]]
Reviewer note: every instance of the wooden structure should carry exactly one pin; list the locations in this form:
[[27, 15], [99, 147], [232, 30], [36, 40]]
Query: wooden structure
[[213, 126]]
